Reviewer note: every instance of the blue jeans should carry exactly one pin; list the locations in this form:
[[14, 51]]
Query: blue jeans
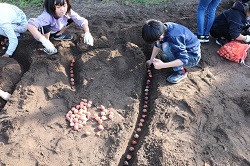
[[194, 57], [206, 11]]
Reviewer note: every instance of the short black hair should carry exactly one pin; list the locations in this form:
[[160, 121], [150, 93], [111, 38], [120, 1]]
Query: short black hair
[[152, 30], [50, 6]]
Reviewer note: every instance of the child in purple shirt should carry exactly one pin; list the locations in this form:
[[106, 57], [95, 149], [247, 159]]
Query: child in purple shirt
[[54, 20]]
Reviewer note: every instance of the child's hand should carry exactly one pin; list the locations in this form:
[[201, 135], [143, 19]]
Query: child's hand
[[158, 64], [48, 45], [148, 63], [247, 40], [88, 39]]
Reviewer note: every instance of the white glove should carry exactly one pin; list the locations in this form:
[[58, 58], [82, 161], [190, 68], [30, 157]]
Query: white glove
[[88, 39], [4, 95], [247, 40], [48, 45]]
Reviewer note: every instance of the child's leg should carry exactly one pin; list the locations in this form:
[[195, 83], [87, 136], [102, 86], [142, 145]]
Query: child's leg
[[177, 76], [60, 34], [168, 57], [45, 31], [64, 28], [61, 31], [211, 11], [179, 72], [194, 58]]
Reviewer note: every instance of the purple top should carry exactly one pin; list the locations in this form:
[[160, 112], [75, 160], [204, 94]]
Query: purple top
[[56, 24]]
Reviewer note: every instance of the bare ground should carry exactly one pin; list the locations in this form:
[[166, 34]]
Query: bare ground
[[203, 120]]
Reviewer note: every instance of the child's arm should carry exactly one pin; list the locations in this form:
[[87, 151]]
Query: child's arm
[[155, 51], [34, 31], [13, 41], [46, 43], [158, 64], [85, 27], [88, 39]]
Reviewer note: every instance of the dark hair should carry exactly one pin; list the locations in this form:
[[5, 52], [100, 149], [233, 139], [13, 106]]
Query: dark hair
[[50, 6], [244, 1], [152, 30]]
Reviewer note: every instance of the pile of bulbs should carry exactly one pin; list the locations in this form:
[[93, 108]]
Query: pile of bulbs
[[81, 114]]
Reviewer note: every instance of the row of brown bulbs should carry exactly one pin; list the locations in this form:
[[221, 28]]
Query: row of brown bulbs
[[71, 72], [142, 120]]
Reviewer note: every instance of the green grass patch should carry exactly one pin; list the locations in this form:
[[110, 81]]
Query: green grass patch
[[39, 3], [24, 3], [127, 2]]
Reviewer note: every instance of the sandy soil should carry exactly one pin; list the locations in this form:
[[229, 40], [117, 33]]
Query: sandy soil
[[204, 120]]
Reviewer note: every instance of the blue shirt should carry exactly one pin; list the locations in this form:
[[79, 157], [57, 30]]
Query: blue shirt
[[181, 41]]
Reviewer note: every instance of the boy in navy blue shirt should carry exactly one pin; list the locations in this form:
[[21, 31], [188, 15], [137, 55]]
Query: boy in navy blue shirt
[[179, 45], [231, 24]]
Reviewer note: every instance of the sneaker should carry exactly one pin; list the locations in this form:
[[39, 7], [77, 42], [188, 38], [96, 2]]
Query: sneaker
[[221, 41], [203, 38], [177, 76], [63, 37], [206, 39]]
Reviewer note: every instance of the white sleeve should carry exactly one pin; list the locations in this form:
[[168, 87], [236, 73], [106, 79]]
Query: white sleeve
[[13, 41]]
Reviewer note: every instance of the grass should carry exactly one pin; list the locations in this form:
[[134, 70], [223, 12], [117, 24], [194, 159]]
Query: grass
[[24, 3], [32, 3], [142, 1]]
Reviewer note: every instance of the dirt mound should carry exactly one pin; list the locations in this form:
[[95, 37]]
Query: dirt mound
[[10, 75], [204, 119]]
